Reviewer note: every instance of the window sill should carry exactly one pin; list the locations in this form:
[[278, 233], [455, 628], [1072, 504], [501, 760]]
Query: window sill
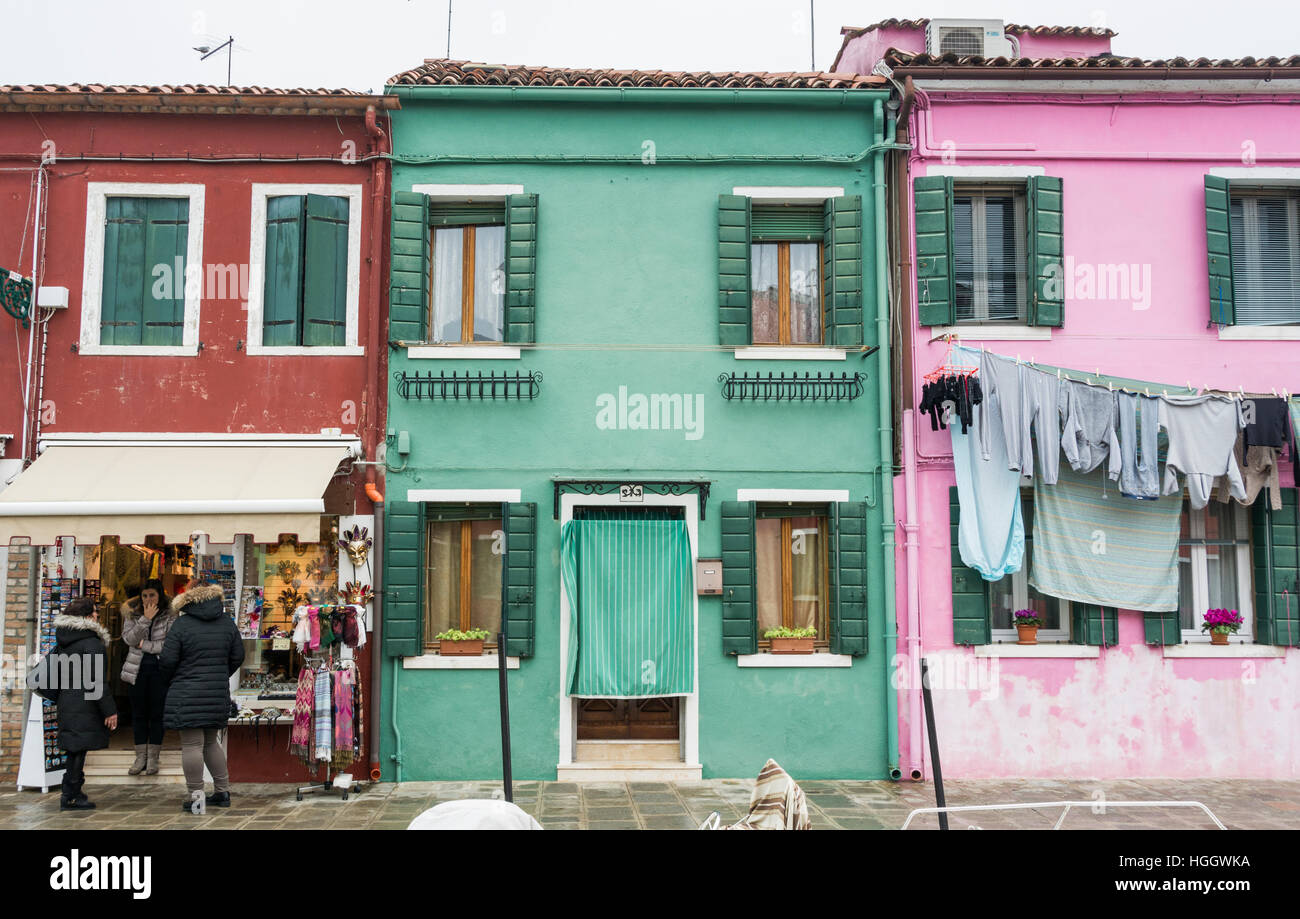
[[431, 661], [1039, 651], [778, 353], [317, 351], [1236, 649], [993, 332], [816, 659], [86, 350], [1260, 333], [463, 352]]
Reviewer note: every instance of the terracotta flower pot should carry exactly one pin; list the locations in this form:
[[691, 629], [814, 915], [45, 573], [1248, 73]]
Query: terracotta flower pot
[[449, 648], [1028, 634], [792, 645], [1218, 638]]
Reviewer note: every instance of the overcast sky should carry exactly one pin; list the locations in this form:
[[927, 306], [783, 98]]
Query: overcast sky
[[359, 45]]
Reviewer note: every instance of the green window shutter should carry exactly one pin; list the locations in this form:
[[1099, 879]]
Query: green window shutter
[[1277, 617], [125, 278], [849, 569], [166, 240], [325, 273], [1218, 243], [521, 269], [733, 271], [1094, 625], [842, 271], [970, 592], [519, 574], [935, 300], [408, 294], [282, 291], [454, 214], [739, 593], [786, 223], [1163, 628], [1046, 251], [403, 612]]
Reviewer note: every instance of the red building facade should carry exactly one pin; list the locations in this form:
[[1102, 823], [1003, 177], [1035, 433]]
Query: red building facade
[[199, 384]]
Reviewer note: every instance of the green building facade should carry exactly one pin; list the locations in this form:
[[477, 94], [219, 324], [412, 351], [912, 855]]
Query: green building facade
[[637, 310]]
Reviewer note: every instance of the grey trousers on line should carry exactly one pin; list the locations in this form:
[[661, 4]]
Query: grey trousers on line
[[200, 747]]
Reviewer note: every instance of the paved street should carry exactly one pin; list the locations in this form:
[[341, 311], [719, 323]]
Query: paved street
[[559, 805]]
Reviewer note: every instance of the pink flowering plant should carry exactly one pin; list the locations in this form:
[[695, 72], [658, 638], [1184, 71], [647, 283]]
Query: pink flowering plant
[[1222, 621], [1026, 617]]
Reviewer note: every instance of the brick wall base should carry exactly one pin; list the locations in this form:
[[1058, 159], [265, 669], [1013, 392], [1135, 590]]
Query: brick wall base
[[20, 578]]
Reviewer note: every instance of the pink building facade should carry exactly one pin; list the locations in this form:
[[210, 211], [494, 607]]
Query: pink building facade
[[1132, 144]]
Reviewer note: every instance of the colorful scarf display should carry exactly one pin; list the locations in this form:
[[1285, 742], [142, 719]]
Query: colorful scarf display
[[344, 710], [324, 713], [313, 625], [300, 736]]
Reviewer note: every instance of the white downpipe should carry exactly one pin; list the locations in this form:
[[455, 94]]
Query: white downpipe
[[911, 525], [31, 328]]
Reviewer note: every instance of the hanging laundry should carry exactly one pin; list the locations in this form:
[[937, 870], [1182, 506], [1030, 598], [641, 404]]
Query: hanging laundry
[[991, 534], [1089, 434], [1092, 549], [948, 395], [1260, 470], [1202, 433], [1029, 402], [1266, 422], [1139, 469]]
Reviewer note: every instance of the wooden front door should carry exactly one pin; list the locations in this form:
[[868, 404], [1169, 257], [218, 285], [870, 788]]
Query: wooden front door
[[629, 719]]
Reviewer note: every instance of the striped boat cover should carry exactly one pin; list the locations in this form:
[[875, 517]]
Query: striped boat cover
[[631, 623], [778, 803], [1092, 545]]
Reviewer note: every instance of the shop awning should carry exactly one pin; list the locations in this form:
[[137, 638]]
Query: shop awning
[[132, 491]]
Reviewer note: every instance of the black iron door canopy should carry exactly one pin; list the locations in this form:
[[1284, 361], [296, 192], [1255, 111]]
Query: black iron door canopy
[[455, 386], [629, 490]]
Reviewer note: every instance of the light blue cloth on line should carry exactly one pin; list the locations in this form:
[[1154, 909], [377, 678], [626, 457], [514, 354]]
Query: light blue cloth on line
[[991, 531]]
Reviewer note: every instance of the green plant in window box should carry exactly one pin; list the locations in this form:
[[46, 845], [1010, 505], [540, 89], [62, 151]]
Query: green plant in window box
[[1027, 623], [1221, 623], [791, 641], [455, 643]]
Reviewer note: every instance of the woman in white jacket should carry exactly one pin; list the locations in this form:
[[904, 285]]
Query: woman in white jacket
[[146, 620]]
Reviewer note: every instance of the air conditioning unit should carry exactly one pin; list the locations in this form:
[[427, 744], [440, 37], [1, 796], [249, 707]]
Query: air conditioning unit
[[968, 38]]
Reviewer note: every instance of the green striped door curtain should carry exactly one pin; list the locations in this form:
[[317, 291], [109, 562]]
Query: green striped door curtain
[[629, 582]]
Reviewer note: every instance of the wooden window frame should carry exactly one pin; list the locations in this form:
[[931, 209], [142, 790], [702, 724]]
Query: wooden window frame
[[822, 641], [465, 598], [783, 294], [1019, 190], [467, 266]]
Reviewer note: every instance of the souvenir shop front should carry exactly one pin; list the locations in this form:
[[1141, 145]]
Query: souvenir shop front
[[295, 575]]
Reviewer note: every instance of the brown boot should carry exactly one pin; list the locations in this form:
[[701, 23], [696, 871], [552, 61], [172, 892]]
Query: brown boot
[[155, 751], [141, 753]]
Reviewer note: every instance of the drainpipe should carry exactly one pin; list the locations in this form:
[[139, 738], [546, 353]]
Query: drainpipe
[[886, 479], [376, 628], [910, 527], [397, 749]]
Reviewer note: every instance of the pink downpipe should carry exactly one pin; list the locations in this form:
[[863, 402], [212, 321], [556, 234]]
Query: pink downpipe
[[911, 524]]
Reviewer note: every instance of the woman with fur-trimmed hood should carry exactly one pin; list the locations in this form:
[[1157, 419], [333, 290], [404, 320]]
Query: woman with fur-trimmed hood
[[202, 650], [146, 620], [86, 710]]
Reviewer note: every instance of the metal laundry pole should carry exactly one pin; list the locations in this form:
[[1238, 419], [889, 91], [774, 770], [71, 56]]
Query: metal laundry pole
[[934, 745], [506, 778]]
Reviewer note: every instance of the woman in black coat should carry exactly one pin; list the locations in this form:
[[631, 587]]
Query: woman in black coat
[[75, 677], [202, 650]]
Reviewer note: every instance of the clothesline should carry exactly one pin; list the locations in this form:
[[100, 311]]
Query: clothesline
[[1097, 379]]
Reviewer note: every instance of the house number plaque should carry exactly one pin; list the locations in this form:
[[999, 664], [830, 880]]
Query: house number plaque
[[630, 493]]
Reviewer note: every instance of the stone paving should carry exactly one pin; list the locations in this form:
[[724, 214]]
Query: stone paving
[[852, 805]]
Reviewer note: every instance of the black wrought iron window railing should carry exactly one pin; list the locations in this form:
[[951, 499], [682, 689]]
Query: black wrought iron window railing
[[792, 387], [457, 386]]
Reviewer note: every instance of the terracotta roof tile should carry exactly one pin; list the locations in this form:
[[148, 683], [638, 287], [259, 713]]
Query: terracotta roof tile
[[184, 97], [1224, 66], [439, 72], [1013, 28]]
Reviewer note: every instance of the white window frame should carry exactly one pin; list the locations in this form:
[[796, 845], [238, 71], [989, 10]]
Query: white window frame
[[1201, 578], [1281, 177], [1020, 600], [257, 268], [92, 275]]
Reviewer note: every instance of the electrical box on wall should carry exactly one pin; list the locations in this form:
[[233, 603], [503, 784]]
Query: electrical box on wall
[[52, 298], [708, 577]]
